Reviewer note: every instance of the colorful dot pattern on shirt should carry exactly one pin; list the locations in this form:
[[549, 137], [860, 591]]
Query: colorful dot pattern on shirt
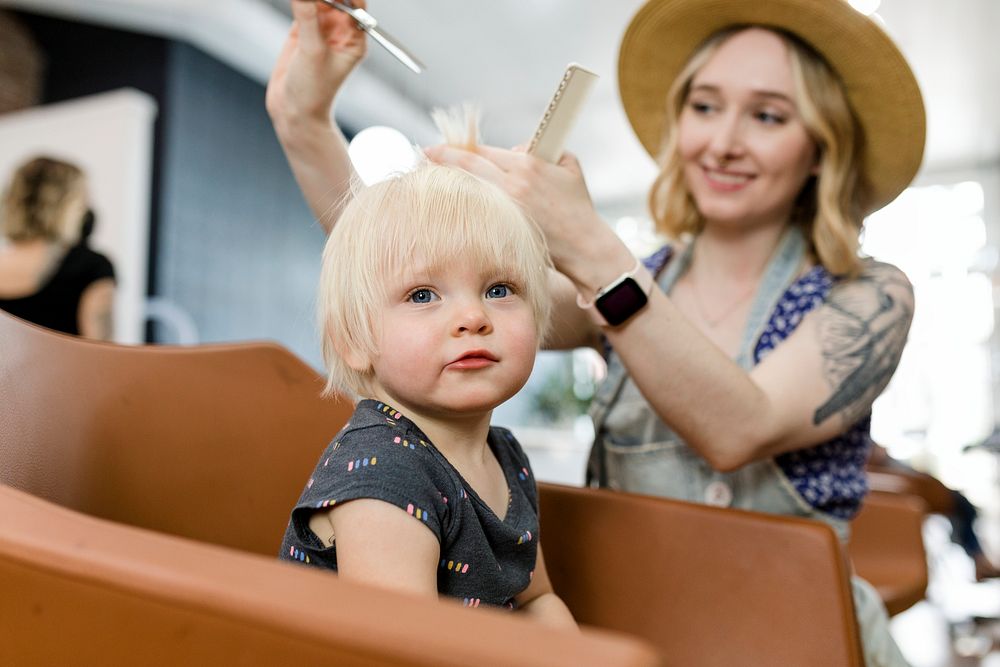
[[417, 512], [299, 555], [357, 464], [456, 567]]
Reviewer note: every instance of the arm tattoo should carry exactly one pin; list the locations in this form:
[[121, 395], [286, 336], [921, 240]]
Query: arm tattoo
[[862, 330]]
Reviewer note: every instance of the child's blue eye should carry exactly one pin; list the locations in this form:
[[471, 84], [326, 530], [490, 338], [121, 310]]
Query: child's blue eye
[[422, 296], [497, 291]]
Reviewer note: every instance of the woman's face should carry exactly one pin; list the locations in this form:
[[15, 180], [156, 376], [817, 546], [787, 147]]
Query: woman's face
[[745, 151]]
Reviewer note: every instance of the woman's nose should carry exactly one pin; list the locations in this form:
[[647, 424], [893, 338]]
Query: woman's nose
[[727, 140]]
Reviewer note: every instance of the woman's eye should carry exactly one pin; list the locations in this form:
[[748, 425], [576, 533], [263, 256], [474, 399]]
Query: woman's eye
[[497, 291], [770, 118], [700, 107], [422, 296]]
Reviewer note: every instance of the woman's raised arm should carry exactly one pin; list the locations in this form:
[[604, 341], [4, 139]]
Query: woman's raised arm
[[322, 49]]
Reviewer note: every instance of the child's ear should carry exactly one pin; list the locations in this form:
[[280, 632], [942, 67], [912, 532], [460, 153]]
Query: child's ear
[[355, 359]]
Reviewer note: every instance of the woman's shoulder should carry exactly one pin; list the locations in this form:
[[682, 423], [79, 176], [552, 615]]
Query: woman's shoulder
[[876, 286], [85, 260]]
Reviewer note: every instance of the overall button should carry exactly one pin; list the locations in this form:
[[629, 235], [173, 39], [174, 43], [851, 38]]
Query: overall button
[[718, 494]]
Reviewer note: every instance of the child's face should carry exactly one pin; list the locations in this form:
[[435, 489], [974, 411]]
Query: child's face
[[457, 340]]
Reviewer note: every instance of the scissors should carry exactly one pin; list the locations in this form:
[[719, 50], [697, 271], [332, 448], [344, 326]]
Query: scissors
[[368, 23]]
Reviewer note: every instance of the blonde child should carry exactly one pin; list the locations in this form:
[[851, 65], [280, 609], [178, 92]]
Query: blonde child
[[432, 306]]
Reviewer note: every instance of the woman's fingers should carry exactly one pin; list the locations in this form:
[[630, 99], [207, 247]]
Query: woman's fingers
[[569, 161], [306, 16], [477, 163]]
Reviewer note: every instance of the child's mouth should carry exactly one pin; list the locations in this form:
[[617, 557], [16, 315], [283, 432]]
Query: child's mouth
[[474, 359]]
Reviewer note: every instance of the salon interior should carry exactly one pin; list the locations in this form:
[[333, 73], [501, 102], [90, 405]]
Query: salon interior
[[162, 104]]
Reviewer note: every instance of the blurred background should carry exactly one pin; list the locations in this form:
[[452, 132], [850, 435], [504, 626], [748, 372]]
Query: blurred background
[[162, 104]]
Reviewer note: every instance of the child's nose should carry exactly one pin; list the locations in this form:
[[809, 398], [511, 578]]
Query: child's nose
[[472, 318]]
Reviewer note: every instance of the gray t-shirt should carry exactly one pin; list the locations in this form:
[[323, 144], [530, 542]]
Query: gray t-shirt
[[383, 455]]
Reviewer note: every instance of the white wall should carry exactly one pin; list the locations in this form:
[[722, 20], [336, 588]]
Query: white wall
[[110, 136]]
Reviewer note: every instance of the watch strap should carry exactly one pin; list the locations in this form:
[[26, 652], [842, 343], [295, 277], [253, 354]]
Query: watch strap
[[642, 277]]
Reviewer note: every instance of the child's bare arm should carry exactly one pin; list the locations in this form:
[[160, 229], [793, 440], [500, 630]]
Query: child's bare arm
[[540, 602], [381, 545]]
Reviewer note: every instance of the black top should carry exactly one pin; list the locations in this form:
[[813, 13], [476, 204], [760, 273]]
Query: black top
[[383, 455], [57, 304]]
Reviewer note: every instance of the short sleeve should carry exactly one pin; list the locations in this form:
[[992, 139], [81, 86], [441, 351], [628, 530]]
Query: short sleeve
[[382, 463], [102, 268]]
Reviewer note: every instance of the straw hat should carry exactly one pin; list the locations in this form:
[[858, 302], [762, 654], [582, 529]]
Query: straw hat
[[880, 85]]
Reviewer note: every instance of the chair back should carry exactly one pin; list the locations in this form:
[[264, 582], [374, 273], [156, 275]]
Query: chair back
[[706, 586], [84, 591], [213, 443], [937, 496], [887, 548]]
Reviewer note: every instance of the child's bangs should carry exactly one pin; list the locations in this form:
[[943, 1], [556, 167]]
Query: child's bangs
[[461, 219]]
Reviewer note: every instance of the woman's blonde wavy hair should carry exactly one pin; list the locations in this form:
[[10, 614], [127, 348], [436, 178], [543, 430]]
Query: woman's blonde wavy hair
[[438, 214], [829, 208], [39, 199]]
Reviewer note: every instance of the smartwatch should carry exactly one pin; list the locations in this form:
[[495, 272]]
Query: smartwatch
[[618, 301]]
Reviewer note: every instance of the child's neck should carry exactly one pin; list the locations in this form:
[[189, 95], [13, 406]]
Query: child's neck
[[461, 438]]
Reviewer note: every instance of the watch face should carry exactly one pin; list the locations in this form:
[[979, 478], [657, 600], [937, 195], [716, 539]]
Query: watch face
[[621, 301]]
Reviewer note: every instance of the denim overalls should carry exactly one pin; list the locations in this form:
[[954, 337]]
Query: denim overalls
[[635, 451]]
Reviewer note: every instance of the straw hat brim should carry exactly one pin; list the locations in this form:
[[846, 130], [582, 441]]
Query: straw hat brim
[[880, 85]]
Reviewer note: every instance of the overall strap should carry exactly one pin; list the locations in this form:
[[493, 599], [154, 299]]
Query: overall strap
[[781, 271]]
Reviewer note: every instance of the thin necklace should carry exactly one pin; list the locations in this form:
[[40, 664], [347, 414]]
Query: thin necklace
[[713, 322]]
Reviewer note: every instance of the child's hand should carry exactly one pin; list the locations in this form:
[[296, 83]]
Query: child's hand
[[322, 48]]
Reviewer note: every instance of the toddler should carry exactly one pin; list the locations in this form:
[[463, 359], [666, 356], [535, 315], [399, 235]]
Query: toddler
[[433, 302]]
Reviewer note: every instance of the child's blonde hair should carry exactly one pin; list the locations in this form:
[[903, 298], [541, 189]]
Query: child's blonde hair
[[434, 213]]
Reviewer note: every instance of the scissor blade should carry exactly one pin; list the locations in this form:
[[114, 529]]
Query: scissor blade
[[393, 47], [368, 23]]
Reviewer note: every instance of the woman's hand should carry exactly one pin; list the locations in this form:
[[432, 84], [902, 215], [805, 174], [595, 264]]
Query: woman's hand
[[555, 196], [322, 49]]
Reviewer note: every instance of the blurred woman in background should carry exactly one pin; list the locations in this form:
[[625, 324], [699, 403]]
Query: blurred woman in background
[[47, 273]]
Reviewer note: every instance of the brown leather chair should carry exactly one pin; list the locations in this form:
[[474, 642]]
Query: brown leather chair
[[110, 452], [887, 548], [84, 591], [892, 479], [707, 586], [214, 444]]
